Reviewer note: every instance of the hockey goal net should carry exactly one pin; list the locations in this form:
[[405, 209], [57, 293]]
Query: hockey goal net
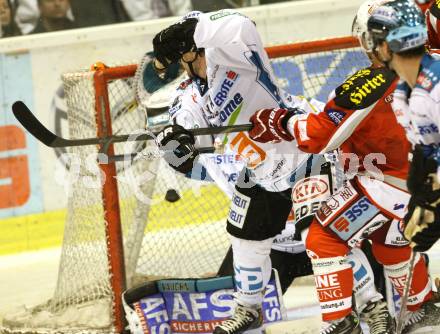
[[132, 221]]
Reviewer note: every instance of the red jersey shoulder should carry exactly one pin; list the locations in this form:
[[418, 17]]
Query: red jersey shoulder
[[364, 88]]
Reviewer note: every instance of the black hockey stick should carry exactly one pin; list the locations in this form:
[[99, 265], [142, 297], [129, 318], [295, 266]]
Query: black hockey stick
[[39, 131]]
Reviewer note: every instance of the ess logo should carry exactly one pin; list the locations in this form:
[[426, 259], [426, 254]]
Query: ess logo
[[342, 224], [309, 188]]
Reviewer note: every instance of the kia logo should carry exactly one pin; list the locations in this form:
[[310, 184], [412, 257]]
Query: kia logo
[[308, 189]]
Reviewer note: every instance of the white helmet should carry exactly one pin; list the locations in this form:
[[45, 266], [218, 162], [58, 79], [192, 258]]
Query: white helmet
[[359, 28]]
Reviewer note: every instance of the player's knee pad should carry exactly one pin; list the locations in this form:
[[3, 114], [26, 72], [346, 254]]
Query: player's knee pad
[[421, 288], [364, 288], [334, 283], [322, 243], [388, 255], [252, 268]]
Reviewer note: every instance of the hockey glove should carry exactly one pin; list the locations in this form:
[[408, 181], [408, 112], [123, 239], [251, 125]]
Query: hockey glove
[[422, 179], [171, 43], [178, 146], [270, 125], [422, 226], [422, 222]]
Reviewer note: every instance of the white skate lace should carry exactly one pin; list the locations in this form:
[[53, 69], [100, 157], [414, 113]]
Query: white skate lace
[[241, 317], [377, 319]]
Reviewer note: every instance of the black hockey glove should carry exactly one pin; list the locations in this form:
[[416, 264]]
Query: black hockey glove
[[422, 222], [422, 177], [178, 145], [171, 43], [422, 226]]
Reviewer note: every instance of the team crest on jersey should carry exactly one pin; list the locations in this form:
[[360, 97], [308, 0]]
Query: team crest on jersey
[[364, 88], [424, 81], [336, 116]]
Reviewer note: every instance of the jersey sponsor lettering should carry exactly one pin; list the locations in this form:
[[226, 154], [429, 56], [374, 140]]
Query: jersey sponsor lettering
[[225, 87], [394, 235], [428, 129], [230, 107], [399, 284], [308, 195], [307, 210], [249, 279], [368, 87], [223, 13], [357, 209], [248, 149], [351, 81], [328, 287], [364, 88], [343, 197], [310, 188], [199, 312], [175, 106], [223, 159], [348, 222], [238, 210]]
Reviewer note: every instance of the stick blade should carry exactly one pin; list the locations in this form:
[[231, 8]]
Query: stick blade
[[33, 125]]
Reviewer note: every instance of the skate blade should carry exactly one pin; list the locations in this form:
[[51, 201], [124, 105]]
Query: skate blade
[[259, 330], [426, 330]]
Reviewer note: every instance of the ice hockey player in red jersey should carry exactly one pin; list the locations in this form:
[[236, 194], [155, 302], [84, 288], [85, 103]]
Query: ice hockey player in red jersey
[[360, 121]]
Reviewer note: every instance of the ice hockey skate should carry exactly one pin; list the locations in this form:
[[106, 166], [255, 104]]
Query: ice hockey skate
[[378, 318], [244, 319], [348, 325], [427, 316]]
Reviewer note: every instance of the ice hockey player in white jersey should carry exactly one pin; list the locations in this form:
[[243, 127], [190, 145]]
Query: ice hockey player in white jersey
[[399, 36], [224, 51]]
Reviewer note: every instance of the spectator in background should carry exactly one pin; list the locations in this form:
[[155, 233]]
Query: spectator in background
[[140, 10], [90, 13], [8, 26], [53, 16], [85, 13]]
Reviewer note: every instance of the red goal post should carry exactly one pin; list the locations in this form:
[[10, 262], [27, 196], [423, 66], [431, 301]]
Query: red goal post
[[123, 230]]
